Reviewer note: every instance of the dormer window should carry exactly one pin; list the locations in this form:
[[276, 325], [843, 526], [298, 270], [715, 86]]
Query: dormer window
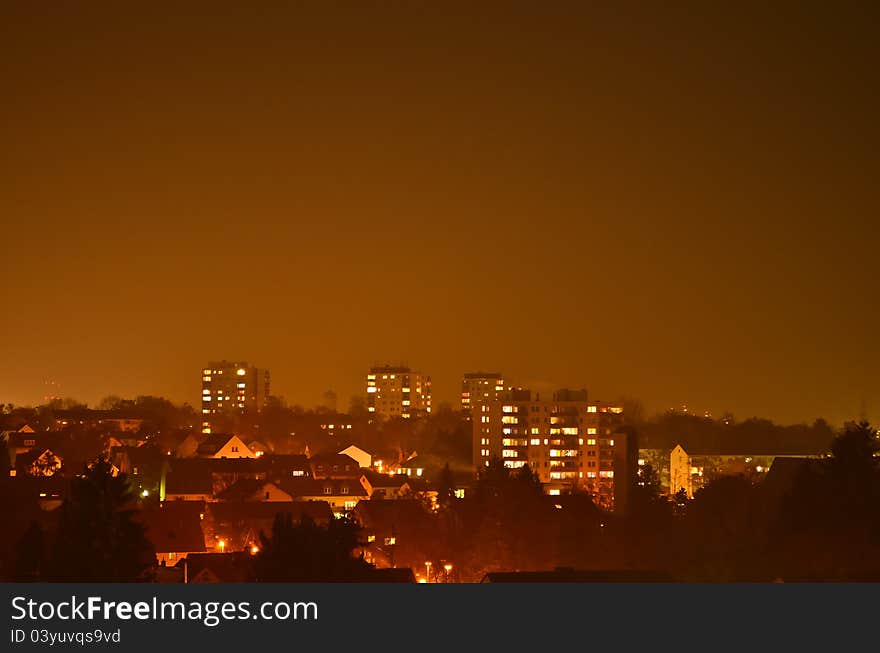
[[328, 489]]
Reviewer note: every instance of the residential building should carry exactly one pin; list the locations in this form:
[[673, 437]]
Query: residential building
[[223, 445], [571, 443], [480, 387], [398, 392], [229, 387]]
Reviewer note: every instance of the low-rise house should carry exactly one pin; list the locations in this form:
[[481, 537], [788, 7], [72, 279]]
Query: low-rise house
[[388, 486], [222, 445], [37, 462], [175, 530], [252, 489], [342, 494], [363, 458], [235, 567], [334, 465]]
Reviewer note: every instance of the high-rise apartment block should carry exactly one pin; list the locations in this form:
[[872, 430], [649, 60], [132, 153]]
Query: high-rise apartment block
[[571, 443], [480, 387], [398, 392], [229, 387]]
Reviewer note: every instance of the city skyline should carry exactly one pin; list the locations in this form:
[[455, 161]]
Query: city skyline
[[676, 204]]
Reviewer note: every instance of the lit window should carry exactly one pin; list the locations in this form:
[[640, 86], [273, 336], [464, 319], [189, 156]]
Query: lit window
[[591, 409], [241, 372], [591, 431], [591, 442]]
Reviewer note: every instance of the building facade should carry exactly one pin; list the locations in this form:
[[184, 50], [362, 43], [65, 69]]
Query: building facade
[[229, 387], [398, 392], [481, 387], [572, 444]]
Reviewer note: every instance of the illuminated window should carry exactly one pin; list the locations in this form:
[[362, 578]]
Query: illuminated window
[[591, 431], [591, 442], [606, 474], [206, 392], [241, 385], [535, 442], [241, 372], [508, 409], [591, 409]]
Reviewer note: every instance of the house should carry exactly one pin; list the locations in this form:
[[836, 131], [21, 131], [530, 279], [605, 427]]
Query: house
[[334, 465], [284, 466], [253, 489], [175, 530], [37, 462], [238, 524], [222, 445], [25, 439], [232, 567], [387, 486], [363, 458], [342, 494], [187, 483], [258, 448], [188, 446]]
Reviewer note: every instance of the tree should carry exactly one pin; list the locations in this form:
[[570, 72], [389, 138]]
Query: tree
[[445, 486], [305, 552], [99, 539], [5, 462], [30, 560]]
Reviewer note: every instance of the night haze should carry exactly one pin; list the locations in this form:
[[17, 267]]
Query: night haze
[[677, 204]]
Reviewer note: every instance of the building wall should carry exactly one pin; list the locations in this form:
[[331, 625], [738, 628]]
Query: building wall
[[232, 387], [569, 444], [480, 387], [398, 392]]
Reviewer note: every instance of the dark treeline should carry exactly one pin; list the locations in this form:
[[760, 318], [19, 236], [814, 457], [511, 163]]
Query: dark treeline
[[726, 435], [810, 519]]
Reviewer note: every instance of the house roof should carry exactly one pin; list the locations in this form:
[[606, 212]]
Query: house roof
[[244, 489], [310, 487], [176, 526], [188, 479], [239, 513], [382, 514], [377, 480], [234, 567], [213, 443], [324, 463], [26, 459]]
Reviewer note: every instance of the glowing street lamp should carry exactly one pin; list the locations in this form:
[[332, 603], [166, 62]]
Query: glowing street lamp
[[222, 545]]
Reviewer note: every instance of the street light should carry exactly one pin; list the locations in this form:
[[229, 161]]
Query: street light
[[448, 568], [428, 569]]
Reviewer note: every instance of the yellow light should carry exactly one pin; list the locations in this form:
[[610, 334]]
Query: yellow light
[[255, 550], [145, 493], [222, 545], [447, 567], [241, 372], [422, 580]]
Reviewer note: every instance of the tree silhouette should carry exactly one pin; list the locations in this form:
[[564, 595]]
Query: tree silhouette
[[305, 552], [98, 538], [30, 560]]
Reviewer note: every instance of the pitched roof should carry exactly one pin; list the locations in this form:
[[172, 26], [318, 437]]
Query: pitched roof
[[213, 443], [377, 480], [188, 479], [233, 567], [310, 487], [244, 489], [176, 526], [325, 463]]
